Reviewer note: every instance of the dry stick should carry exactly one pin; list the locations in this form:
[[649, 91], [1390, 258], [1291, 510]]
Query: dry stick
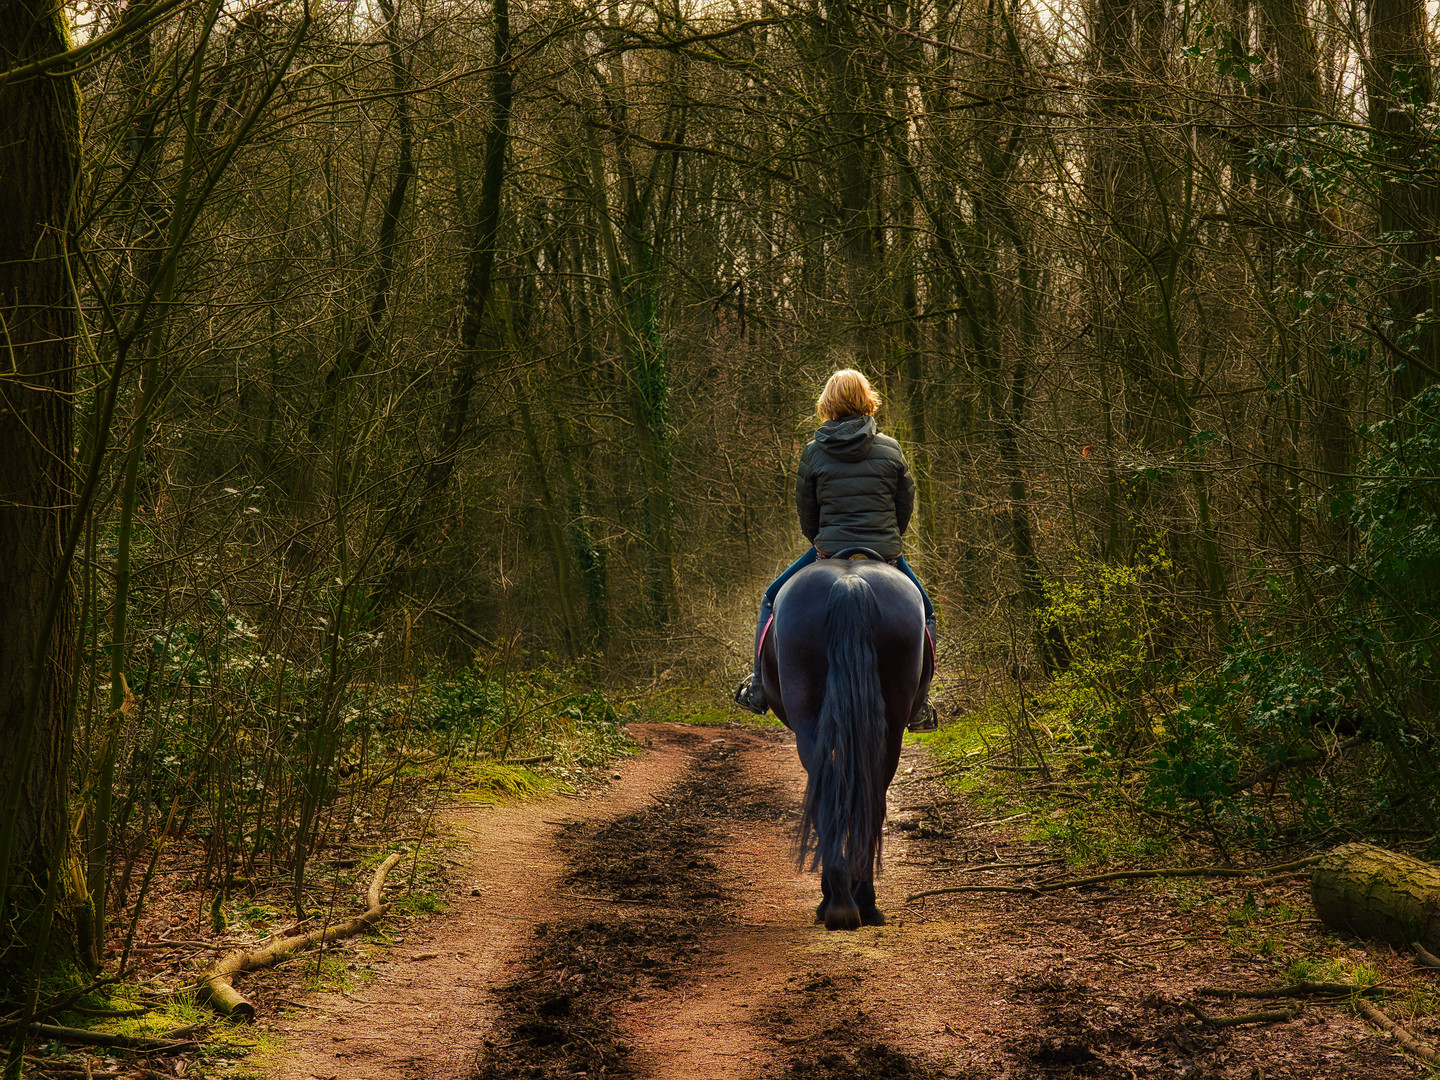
[[1421, 1050], [1124, 875], [215, 980], [1277, 1017], [100, 1038], [1304, 989]]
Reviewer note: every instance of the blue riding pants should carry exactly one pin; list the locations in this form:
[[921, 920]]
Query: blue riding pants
[[767, 602]]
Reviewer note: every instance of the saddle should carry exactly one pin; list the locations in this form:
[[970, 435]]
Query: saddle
[[853, 553]]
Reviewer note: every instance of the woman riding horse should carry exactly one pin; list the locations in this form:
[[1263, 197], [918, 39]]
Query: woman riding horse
[[853, 490], [845, 661]]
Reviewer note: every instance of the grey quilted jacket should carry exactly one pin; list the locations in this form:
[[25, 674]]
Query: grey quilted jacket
[[854, 488]]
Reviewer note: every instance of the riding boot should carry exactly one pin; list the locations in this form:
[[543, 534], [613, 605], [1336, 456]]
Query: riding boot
[[750, 694], [925, 718]]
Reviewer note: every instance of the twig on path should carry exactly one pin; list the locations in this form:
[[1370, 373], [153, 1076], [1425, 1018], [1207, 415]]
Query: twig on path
[[1127, 875], [998, 821], [976, 868], [1304, 989], [215, 980], [604, 899], [1028, 890], [1276, 1017], [1421, 1050]]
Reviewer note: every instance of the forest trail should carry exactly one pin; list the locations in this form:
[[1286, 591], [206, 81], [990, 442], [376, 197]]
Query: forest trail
[[659, 929]]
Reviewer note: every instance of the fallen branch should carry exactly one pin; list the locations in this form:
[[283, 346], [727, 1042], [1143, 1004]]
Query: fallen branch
[[1304, 989], [215, 981], [1125, 875], [1276, 1017], [85, 1037], [1178, 872], [1028, 890], [1421, 1050], [998, 821]]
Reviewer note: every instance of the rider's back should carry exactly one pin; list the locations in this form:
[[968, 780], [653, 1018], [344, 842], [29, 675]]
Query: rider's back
[[853, 488]]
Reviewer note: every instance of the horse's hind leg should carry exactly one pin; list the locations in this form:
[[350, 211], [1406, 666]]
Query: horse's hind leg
[[840, 910], [870, 915], [824, 904]]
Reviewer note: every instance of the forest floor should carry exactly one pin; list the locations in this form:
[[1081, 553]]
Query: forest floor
[[657, 927]]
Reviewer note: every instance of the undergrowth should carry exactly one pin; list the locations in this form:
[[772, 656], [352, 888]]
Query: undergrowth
[[226, 873]]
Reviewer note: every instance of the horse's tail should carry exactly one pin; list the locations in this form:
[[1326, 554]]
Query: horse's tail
[[844, 806]]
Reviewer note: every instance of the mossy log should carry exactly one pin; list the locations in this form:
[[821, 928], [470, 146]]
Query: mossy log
[[1379, 894]]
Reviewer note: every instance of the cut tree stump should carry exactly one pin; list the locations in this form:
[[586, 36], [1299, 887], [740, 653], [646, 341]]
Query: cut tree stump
[[1375, 893]]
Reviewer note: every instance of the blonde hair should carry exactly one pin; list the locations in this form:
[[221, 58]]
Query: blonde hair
[[847, 393]]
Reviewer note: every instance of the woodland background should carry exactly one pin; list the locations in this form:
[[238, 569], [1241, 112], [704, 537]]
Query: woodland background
[[355, 348]]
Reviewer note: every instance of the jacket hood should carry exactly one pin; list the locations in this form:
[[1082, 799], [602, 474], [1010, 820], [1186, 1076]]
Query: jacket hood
[[848, 438]]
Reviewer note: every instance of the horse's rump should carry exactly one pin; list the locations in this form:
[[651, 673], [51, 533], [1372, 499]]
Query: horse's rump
[[847, 655]]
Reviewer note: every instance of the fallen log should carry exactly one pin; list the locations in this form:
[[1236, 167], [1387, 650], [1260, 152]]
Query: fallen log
[[1278, 1016], [1375, 893], [215, 981]]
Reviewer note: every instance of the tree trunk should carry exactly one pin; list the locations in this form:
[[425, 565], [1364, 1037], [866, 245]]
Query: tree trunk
[[483, 239], [1378, 894], [1399, 84], [356, 353], [39, 171]]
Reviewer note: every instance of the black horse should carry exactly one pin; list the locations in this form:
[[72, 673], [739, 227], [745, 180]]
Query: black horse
[[845, 663]]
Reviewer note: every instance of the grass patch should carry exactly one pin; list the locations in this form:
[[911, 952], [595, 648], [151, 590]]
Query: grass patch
[[240, 1051], [1334, 969], [495, 782], [686, 705]]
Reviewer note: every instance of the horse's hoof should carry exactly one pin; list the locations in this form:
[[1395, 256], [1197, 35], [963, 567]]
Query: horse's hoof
[[842, 918], [820, 910], [872, 917]]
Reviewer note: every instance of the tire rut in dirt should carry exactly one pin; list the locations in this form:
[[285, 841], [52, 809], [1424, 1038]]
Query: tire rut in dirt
[[655, 867]]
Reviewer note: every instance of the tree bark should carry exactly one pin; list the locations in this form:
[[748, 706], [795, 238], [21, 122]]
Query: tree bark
[[356, 353], [1378, 894], [39, 174], [1399, 83], [482, 241]]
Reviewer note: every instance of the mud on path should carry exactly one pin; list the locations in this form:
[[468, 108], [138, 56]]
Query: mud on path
[[660, 930]]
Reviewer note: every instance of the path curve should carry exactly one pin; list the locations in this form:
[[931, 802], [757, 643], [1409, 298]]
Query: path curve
[[717, 972]]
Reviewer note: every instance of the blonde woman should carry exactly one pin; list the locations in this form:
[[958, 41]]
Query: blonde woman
[[853, 490]]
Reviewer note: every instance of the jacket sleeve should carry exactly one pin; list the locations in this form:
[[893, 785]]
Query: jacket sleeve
[[904, 496], [806, 501]]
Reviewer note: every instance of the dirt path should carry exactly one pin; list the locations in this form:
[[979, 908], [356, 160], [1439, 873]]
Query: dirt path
[[660, 930]]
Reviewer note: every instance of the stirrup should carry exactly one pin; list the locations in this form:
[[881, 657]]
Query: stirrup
[[925, 718], [750, 696]]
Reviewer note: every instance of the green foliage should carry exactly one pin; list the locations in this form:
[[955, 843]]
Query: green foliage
[[1110, 616], [1197, 762]]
